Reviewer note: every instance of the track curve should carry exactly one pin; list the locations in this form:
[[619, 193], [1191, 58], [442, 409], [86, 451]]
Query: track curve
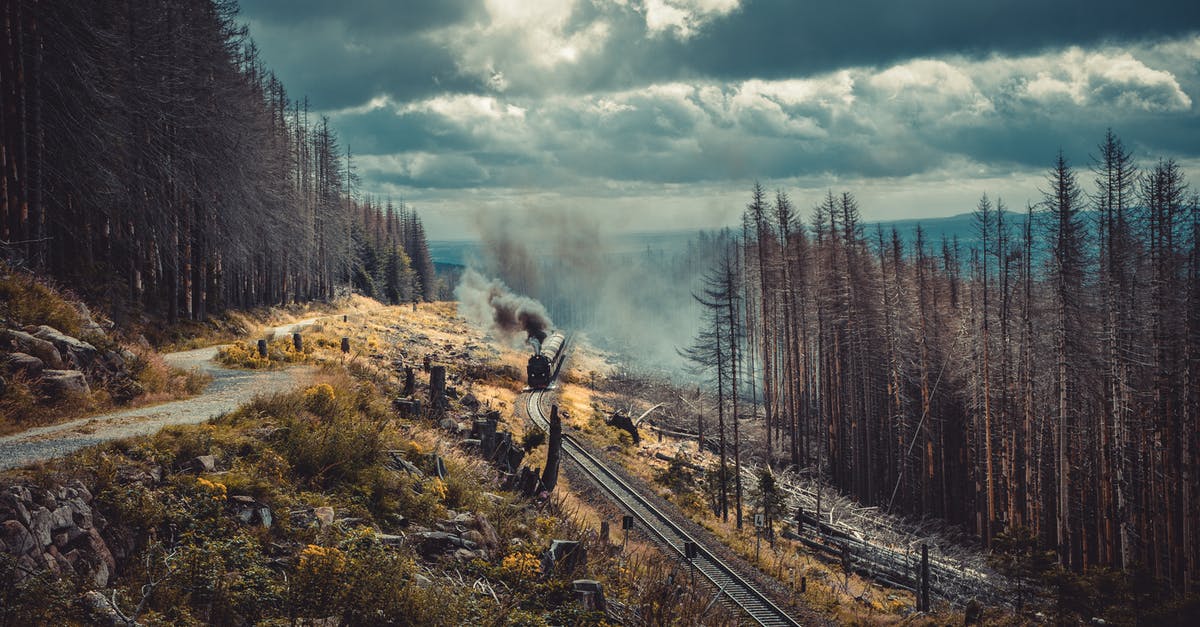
[[659, 525]]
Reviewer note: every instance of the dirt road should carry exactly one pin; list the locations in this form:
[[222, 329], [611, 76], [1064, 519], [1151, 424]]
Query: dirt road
[[228, 390]]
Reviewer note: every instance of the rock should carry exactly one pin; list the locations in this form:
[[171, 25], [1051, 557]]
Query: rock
[[16, 539], [203, 463], [491, 539], [100, 549], [473, 536], [464, 555], [99, 610], [87, 324], [388, 539], [324, 515], [422, 581], [81, 514], [62, 518], [563, 556], [13, 508], [115, 362], [24, 362], [19, 341], [433, 543], [251, 512], [73, 350], [469, 401], [64, 383], [39, 526]]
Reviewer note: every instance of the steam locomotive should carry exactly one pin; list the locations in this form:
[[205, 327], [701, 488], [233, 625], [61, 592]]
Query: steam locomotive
[[543, 364]]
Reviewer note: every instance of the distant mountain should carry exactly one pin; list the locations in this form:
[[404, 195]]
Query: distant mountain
[[462, 252]]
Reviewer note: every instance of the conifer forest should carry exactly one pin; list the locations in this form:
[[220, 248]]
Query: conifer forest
[[1041, 378], [153, 162]]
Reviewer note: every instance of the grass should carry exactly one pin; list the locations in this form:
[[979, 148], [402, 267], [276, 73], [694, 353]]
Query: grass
[[26, 300], [851, 600], [328, 445]]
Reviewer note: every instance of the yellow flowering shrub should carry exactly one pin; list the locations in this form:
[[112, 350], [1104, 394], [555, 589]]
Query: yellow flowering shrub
[[322, 561], [217, 491], [520, 566], [437, 487], [320, 399]]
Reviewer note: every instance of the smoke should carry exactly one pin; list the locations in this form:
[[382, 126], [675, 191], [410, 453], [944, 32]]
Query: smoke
[[490, 304], [628, 295]]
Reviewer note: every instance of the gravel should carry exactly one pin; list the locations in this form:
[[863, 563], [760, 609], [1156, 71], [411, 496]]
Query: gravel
[[228, 390]]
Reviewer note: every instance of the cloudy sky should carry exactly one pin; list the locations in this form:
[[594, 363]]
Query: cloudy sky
[[659, 113]]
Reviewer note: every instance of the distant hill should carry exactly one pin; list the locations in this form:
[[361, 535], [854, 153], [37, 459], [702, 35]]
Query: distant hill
[[462, 252]]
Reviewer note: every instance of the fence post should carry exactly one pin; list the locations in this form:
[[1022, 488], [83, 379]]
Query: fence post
[[345, 345], [298, 342], [410, 382], [262, 348], [437, 387]]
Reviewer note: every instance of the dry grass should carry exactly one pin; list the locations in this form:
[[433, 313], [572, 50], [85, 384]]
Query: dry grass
[[848, 600]]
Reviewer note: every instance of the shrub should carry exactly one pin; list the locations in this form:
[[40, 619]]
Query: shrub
[[331, 450], [26, 300], [320, 399]]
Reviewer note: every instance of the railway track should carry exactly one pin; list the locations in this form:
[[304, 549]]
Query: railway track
[[733, 587]]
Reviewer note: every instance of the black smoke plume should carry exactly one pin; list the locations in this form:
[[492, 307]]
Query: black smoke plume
[[489, 303]]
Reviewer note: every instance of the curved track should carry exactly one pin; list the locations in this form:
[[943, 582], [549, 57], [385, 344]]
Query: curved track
[[660, 526]]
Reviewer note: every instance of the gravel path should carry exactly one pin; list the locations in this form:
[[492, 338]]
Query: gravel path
[[229, 389]]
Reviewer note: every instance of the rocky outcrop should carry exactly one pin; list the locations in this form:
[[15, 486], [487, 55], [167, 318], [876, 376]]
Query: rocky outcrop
[[57, 531], [23, 362], [65, 383], [62, 366], [13, 340], [77, 353]]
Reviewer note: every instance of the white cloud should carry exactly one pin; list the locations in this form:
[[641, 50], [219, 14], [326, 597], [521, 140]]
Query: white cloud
[[1102, 78], [683, 17], [520, 40]]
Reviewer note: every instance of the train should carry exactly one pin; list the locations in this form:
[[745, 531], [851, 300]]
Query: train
[[544, 362]]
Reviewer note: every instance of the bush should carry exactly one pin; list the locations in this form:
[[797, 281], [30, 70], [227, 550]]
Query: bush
[[320, 399], [26, 300]]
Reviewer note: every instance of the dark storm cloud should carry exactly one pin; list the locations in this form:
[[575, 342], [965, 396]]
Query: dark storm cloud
[[625, 101], [779, 38], [385, 17], [343, 54]]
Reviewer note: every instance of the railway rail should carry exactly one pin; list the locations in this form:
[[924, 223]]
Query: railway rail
[[732, 586]]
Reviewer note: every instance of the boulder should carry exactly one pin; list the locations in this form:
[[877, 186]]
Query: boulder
[[40, 525], [434, 543], [203, 463], [100, 611], [62, 383], [16, 539], [114, 362], [24, 362], [13, 508], [73, 350], [87, 324], [19, 341]]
